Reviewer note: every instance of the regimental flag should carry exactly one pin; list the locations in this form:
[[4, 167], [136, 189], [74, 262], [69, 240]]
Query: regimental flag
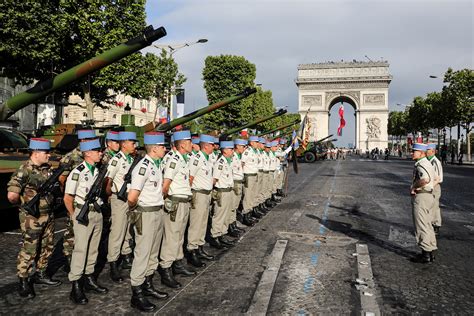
[[342, 123], [304, 131], [294, 139], [163, 116], [244, 133]]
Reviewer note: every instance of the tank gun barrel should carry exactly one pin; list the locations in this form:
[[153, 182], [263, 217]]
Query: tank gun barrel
[[253, 123], [297, 121], [43, 88], [191, 116]]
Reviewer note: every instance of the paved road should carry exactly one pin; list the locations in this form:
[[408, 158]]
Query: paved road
[[333, 206]]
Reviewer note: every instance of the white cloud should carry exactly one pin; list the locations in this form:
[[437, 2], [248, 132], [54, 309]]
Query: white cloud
[[418, 38]]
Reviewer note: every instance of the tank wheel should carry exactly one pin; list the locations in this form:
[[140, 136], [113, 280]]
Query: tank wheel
[[309, 156]]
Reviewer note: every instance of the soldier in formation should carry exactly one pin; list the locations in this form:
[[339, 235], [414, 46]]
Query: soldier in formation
[[174, 203], [423, 203]]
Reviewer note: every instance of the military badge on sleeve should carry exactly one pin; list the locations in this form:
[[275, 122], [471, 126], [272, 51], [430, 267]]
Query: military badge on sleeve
[[196, 162], [220, 167], [142, 171], [173, 165], [75, 177], [114, 163]]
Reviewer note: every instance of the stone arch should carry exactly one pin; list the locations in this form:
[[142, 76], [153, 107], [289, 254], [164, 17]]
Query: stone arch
[[363, 85]]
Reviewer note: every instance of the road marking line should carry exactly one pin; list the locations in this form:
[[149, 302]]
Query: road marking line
[[263, 293], [368, 302]]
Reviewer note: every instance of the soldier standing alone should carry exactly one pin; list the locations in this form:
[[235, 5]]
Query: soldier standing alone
[[37, 233], [421, 191]]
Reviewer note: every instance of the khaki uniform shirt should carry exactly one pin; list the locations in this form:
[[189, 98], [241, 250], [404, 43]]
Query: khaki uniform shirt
[[27, 180], [424, 170], [168, 155], [147, 178], [237, 170], [213, 157], [250, 161], [266, 161], [274, 161], [261, 163], [438, 167], [223, 173], [108, 155], [201, 169], [79, 182], [177, 170], [117, 169]]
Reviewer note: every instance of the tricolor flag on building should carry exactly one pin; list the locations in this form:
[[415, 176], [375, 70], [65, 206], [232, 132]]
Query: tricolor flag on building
[[342, 123]]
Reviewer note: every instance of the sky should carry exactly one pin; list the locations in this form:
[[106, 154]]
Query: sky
[[418, 38]]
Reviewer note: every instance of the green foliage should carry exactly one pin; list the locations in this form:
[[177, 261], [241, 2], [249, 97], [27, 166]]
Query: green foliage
[[459, 92], [225, 76], [419, 116], [262, 106], [397, 123]]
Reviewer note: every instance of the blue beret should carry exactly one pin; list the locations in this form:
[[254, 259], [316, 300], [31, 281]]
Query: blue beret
[[282, 141], [419, 147], [195, 140], [253, 139], [207, 139], [86, 133], [112, 135], [154, 138], [128, 136], [172, 138], [40, 144], [90, 145], [216, 140], [242, 142], [180, 135], [274, 143], [431, 146], [227, 144], [268, 144], [262, 140]]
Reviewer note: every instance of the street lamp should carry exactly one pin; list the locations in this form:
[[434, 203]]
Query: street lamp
[[171, 50]]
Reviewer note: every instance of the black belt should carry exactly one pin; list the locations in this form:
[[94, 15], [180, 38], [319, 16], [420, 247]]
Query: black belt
[[149, 208], [207, 192], [224, 189]]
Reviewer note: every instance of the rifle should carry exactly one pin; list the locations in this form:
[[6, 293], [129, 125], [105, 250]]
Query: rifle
[[92, 197], [127, 179], [31, 207]]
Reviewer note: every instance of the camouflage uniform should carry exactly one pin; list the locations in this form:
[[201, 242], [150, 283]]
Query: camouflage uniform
[[76, 158], [25, 181]]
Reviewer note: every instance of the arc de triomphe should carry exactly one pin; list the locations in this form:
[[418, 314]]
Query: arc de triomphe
[[364, 85]]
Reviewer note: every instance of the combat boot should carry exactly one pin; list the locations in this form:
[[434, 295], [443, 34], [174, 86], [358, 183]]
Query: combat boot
[[194, 259], [139, 301], [168, 279], [216, 243], [275, 198], [424, 257], [90, 284], [40, 277], [149, 289], [436, 230], [257, 214], [226, 242], [240, 216], [237, 228], [77, 293], [127, 261], [269, 203], [179, 268], [202, 254], [115, 272], [247, 221], [26, 288], [233, 232], [433, 255]]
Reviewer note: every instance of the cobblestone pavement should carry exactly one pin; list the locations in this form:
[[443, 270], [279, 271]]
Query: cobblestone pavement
[[332, 206]]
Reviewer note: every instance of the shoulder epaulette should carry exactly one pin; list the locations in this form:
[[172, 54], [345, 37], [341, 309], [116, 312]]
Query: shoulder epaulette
[[119, 155], [80, 167], [146, 161], [176, 157], [198, 155]]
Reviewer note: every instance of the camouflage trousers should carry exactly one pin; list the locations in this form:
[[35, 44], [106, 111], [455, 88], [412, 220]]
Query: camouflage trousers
[[68, 239], [37, 243]]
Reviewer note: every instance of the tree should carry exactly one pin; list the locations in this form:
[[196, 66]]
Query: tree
[[418, 119], [225, 76], [45, 38]]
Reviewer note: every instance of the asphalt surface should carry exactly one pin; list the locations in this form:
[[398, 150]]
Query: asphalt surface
[[331, 207]]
